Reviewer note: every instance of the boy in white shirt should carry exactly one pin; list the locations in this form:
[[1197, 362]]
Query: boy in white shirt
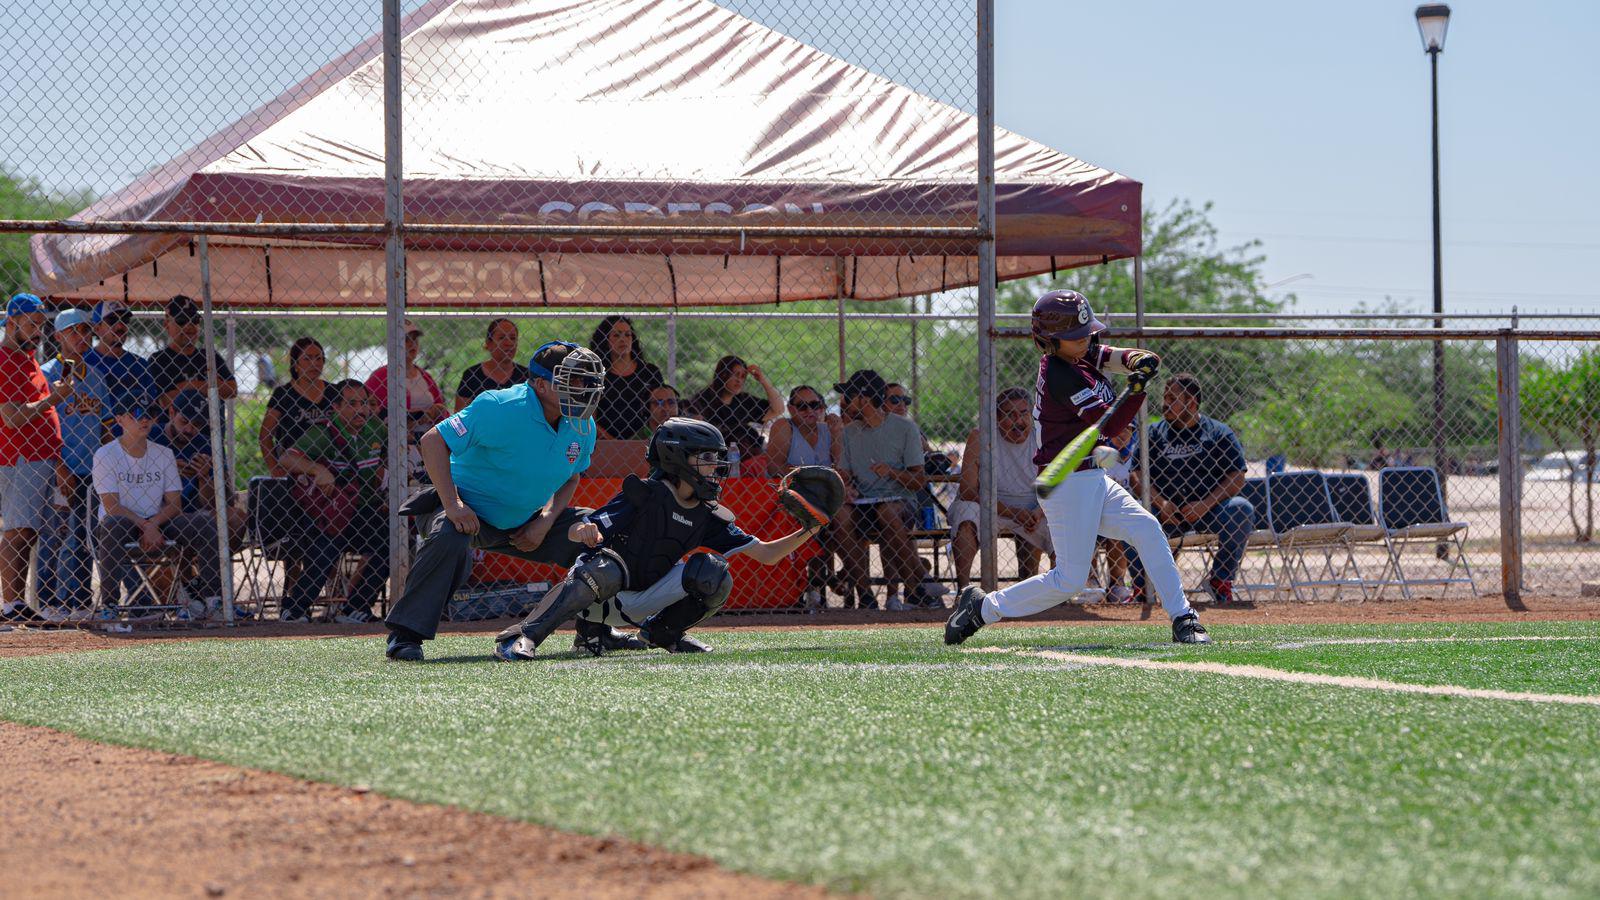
[[141, 497]]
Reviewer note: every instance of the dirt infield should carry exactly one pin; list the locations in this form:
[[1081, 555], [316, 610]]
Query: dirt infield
[[83, 819], [81, 816]]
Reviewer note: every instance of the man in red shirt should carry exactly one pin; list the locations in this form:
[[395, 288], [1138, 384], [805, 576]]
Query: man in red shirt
[[30, 443]]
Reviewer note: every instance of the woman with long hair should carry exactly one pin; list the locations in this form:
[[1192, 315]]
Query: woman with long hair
[[305, 399], [736, 414], [625, 403]]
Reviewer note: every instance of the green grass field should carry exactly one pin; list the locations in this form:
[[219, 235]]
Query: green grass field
[[881, 761]]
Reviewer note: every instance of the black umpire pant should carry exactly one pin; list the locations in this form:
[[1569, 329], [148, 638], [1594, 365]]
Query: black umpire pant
[[442, 565]]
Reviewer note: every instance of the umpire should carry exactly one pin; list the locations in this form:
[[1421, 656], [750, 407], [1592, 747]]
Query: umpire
[[504, 470]]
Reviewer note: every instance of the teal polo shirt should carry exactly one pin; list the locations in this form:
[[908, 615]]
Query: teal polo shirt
[[506, 460]]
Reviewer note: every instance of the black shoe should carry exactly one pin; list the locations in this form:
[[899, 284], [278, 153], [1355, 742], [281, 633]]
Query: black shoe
[[1186, 629], [968, 617], [403, 650], [19, 614], [865, 600], [595, 639]]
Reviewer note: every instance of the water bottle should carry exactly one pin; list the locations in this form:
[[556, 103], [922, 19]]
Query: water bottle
[[927, 518], [733, 461]]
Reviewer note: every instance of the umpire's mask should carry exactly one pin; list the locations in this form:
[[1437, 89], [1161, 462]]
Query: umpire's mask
[[578, 375]]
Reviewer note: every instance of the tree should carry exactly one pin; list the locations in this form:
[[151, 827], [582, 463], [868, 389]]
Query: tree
[[24, 198], [1322, 410], [1563, 405]]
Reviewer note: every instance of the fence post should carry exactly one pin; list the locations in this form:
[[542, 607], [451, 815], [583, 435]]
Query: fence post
[[219, 486], [1144, 416], [1508, 385], [988, 436], [395, 296]]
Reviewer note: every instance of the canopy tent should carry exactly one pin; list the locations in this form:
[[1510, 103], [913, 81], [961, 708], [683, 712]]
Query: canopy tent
[[663, 113]]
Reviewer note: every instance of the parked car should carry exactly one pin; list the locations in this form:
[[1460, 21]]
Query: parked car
[[1566, 465]]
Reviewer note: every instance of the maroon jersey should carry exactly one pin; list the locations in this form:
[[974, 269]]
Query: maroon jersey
[[1073, 396]]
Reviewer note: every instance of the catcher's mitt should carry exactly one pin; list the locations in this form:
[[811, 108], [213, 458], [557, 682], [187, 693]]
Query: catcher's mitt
[[812, 494]]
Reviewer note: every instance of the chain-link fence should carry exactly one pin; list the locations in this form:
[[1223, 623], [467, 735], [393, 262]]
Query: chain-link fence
[[775, 193]]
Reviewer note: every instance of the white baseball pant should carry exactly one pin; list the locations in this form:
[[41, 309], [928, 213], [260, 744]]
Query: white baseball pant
[[1087, 504]]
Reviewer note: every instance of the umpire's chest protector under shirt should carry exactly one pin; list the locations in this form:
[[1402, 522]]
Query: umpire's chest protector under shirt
[[505, 458]]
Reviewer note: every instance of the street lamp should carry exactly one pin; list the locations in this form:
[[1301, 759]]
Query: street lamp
[[1433, 20]]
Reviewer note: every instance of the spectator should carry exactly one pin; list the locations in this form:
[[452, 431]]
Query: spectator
[[141, 503], [663, 406], [182, 364], [810, 437], [1197, 469], [882, 465], [630, 379], [736, 414], [65, 567], [342, 461], [500, 370], [1017, 508], [30, 447], [424, 402], [897, 402], [266, 372], [126, 375], [187, 433], [303, 401]]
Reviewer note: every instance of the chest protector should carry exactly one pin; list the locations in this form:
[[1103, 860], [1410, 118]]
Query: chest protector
[[662, 533]]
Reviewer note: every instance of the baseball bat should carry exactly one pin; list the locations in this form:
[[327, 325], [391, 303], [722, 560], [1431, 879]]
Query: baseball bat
[[1076, 450]]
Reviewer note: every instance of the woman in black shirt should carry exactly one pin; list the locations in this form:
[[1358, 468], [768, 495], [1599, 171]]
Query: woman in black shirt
[[625, 404], [295, 405], [736, 414], [500, 370]]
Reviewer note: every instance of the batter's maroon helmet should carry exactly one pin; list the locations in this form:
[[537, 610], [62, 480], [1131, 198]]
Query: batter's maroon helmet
[[1064, 316]]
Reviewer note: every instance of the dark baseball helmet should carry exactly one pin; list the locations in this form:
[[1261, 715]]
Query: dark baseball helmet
[[678, 443], [1063, 316]]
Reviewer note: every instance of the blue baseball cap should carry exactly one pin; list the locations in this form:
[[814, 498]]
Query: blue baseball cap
[[191, 404], [131, 405], [549, 355], [23, 304], [70, 317], [107, 309]]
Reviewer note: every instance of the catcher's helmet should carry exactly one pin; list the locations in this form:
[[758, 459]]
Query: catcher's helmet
[[1063, 316], [678, 443]]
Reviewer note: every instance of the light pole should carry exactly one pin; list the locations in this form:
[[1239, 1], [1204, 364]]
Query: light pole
[[1433, 19]]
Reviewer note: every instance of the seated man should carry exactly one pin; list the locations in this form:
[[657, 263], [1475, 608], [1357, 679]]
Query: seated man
[[187, 433], [1197, 470], [343, 461], [1016, 504], [653, 571], [141, 504], [882, 465]]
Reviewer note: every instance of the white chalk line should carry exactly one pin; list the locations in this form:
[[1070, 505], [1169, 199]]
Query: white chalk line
[[1266, 674], [1485, 639]]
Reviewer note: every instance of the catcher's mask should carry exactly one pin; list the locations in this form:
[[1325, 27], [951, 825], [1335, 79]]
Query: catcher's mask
[[690, 451], [578, 375]]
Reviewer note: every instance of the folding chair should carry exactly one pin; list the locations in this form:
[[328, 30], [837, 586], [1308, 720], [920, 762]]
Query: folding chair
[[1261, 538], [1204, 541], [1411, 506], [1300, 511], [270, 516], [148, 566], [1352, 502]]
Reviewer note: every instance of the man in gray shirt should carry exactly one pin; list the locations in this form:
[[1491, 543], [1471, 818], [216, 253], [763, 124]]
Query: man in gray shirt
[[882, 468]]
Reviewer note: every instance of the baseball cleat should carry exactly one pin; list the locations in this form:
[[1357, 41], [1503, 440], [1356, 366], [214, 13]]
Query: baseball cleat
[[968, 616], [595, 639], [688, 644], [1186, 629], [515, 649], [404, 651]]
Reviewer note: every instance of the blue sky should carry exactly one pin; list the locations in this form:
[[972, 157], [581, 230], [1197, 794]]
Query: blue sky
[[1306, 125]]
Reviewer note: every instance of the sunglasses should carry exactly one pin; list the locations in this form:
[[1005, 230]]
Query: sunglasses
[[813, 404], [899, 401]]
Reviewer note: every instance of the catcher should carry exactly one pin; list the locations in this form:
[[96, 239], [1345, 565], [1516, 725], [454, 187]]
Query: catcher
[[659, 548]]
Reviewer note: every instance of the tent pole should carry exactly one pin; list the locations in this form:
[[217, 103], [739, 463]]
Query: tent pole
[[219, 483], [395, 296], [988, 438], [841, 340], [1144, 418]]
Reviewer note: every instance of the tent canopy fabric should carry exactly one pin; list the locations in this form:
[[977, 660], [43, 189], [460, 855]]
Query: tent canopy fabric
[[655, 112]]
